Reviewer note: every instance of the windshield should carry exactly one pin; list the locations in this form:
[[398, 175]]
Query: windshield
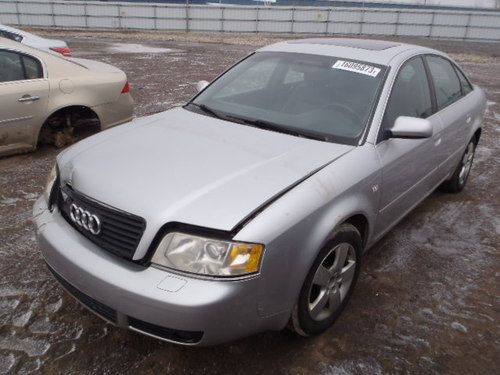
[[320, 97]]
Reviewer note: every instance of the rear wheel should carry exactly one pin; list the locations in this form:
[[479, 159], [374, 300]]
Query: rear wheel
[[459, 178], [329, 283], [68, 125]]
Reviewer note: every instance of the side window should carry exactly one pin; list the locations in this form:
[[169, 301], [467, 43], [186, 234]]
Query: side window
[[464, 82], [446, 83], [410, 95], [11, 67], [17, 67], [32, 67]]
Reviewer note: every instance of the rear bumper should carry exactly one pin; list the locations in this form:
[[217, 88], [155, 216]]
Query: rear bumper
[[116, 113], [150, 300]]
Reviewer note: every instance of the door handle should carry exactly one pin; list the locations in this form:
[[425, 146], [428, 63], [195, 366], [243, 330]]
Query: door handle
[[28, 98]]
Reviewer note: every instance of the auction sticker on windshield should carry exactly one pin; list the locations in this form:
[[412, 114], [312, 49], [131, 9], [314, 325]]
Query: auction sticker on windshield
[[355, 67]]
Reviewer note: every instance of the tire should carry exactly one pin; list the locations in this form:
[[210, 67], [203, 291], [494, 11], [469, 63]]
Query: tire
[[457, 181], [328, 286]]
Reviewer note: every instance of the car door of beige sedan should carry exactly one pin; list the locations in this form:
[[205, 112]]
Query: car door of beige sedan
[[24, 94]]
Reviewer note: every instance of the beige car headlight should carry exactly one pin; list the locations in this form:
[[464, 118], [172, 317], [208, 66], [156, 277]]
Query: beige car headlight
[[208, 256], [50, 183]]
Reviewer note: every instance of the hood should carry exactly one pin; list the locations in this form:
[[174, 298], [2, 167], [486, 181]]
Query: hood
[[179, 166]]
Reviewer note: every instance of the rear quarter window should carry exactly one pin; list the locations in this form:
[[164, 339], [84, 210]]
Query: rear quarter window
[[464, 82], [446, 83], [32, 67]]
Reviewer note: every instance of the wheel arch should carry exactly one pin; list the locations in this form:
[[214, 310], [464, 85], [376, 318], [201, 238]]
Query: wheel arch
[[477, 135], [62, 109], [360, 222]]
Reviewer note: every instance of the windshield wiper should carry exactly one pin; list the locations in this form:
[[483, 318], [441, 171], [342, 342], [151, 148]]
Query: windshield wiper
[[207, 110], [261, 124], [267, 125]]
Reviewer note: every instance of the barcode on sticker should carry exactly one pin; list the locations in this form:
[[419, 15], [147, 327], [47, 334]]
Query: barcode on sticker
[[355, 67]]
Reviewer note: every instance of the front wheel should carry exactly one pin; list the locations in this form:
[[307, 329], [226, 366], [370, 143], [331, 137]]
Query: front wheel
[[329, 283], [459, 178]]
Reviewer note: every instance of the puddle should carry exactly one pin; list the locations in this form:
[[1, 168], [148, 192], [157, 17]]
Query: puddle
[[136, 48]]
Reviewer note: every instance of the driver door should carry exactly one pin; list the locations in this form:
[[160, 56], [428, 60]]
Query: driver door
[[409, 166]]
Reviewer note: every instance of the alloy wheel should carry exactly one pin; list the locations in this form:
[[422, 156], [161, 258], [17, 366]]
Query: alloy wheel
[[332, 281], [466, 163]]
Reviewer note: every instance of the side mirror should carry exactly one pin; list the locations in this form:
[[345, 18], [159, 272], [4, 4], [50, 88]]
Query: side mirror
[[201, 85], [411, 128]]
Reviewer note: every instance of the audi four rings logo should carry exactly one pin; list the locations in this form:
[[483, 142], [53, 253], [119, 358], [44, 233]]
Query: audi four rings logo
[[85, 219]]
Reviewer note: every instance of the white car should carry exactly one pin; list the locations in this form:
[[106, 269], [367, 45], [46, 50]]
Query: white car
[[35, 41]]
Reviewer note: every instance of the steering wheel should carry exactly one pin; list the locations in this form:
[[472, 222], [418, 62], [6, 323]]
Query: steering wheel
[[345, 110]]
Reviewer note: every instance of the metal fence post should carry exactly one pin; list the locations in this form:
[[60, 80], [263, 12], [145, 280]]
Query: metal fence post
[[53, 15], [467, 27], [18, 15], [432, 24], [362, 21], [85, 15], [222, 19], [187, 17], [257, 19], [292, 21], [328, 20], [119, 6], [397, 22], [155, 15]]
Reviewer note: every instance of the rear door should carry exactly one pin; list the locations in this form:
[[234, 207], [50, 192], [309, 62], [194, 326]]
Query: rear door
[[24, 94], [455, 109], [409, 166]]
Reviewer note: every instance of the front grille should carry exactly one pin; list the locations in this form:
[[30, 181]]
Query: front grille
[[185, 337], [100, 309], [120, 231]]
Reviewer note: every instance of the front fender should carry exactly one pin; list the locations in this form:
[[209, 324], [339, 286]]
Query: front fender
[[295, 227]]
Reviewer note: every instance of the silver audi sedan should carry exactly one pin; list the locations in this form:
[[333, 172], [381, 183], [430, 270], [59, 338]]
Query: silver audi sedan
[[250, 208]]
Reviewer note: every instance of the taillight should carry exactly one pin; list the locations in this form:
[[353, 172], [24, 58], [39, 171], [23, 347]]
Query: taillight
[[126, 88], [65, 51]]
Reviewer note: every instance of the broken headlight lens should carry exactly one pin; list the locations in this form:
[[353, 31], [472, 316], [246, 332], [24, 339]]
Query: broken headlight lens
[[208, 256]]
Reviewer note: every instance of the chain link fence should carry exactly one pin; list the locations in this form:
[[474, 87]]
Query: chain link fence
[[467, 25]]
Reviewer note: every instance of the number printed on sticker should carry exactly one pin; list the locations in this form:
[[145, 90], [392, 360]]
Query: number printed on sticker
[[356, 67]]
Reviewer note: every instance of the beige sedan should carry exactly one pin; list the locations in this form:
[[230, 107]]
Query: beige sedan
[[45, 98]]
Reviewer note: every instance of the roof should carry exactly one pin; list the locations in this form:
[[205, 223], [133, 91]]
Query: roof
[[370, 50], [372, 45]]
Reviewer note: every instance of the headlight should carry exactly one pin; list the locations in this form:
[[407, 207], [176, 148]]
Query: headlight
[[50, 183], [207, 256]]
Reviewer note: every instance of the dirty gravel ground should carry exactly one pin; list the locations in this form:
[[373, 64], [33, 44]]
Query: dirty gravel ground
[[427, 301]]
